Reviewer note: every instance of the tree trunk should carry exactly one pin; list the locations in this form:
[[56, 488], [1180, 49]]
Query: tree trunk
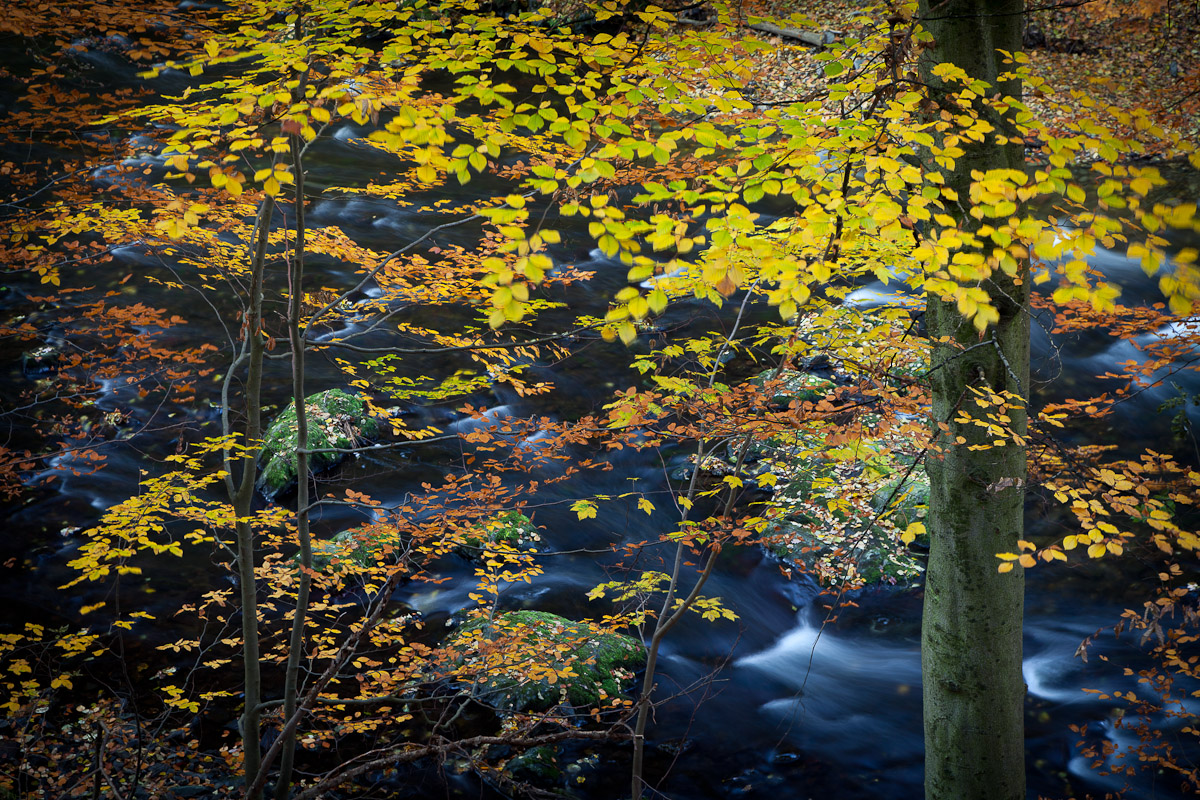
[[971, 631], [243, 501], [304, 539]]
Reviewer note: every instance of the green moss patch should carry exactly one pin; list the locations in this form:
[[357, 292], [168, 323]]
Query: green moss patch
[[791, 385], [539, 764], [510, 528], [336, 419], [533, 661], [841, 518], [356, 549]]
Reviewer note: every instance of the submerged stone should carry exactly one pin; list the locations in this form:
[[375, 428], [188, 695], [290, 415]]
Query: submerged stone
[[538, 764], [336, 419], [533, 661], [903, 499]]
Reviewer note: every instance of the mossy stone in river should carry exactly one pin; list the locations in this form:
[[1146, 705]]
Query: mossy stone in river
[[842, 520], [522, 656], [344, 547], [354, 550], [511, 528], [336, 419], [795, 385], [41, 359], [538, 764], [906, 502]]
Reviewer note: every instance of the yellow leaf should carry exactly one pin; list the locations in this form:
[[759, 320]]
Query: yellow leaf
[[426, 174], [984, 317]]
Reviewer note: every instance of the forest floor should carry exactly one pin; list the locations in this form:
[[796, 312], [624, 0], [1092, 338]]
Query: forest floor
[[1119, 54]]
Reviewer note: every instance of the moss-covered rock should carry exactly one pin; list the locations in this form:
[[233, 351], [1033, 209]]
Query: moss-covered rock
[[336, 419], [511, 528], [832, 510], [839, 512], [355, 549], [794, 385], [904, 496], [554, 771], [533, 661], [538, 764]]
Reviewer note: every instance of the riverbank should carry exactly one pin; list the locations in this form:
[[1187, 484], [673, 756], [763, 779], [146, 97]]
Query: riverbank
[[1096, 55]]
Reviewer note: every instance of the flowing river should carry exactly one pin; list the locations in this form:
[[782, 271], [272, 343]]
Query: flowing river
[[779, 704]]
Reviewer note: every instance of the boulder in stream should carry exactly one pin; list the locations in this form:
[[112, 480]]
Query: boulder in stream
[[41, 360], [842, 520], [336, 419], [510, 528], [356, 549], [533, 661], [794, 385]]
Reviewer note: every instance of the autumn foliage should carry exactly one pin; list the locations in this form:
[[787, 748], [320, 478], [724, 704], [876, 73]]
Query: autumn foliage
[[610, 123]]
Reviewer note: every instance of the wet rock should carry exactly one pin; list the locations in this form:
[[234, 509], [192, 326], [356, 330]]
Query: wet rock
[[41, 359], [539, 764], [336, 419], [842, 521], [509, 528], [523, 659], [904, 496], [355, 549], [792, 384]]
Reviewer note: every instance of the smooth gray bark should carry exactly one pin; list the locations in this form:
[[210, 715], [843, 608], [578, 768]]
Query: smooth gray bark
[[303, 536], [243, 500], [971, 632]]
